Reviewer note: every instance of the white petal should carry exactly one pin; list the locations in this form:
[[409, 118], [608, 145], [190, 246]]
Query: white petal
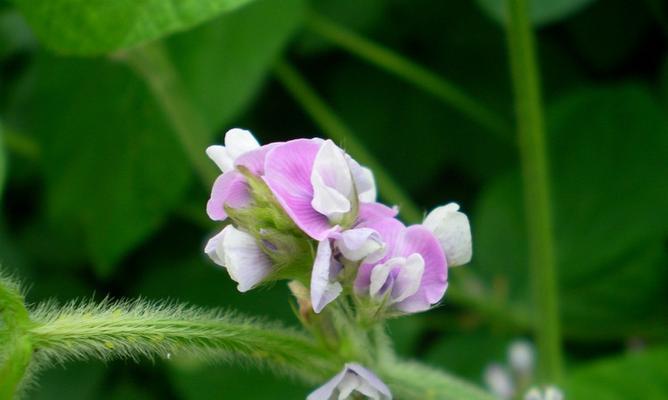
[[327, 200], [365, 184], [553, 393], [381, 273], [332, 181], [214, 247], [499, 381], [349, 383], [219, 155], [361, 244], [324, 289], [533, 394], [245, 261], [239, 141], [453, 231], [521, 356], [409, 278]]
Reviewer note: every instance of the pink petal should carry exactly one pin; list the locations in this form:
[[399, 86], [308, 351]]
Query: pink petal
[[255, 160], [229, 189], [288, 174], [373, 211]]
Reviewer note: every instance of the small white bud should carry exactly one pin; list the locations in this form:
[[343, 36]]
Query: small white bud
[[499, 381], [453, 231], [521, 356]]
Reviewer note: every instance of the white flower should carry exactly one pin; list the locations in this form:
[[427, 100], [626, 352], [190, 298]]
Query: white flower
[[353, 380], [237, 142], [551, 393], [499, 381], [453, 231], [240, 254], [521, 356]]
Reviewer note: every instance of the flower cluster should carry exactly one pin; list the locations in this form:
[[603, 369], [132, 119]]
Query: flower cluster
[[304, 210]]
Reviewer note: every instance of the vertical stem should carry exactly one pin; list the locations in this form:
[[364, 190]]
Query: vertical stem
[[152, 63], [533, 155], [335, 128]]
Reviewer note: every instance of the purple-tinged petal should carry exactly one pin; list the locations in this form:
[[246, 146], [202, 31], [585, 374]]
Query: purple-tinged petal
[[365, 183], [214, 247], [255, 160], [324, 287], [229, 189], [370, 212], [353, 379], [360, 244], [420, 240], [391, 231], [288, 174]]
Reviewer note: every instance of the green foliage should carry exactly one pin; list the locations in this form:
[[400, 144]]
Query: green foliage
[[542, 11], [98, 26], [609, 226], [640, 375]]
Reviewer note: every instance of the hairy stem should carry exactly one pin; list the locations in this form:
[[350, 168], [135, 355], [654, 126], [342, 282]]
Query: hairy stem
[[333, 127], [139, 329], [535, 174], [152, 63], [410, 380], [421, 77]]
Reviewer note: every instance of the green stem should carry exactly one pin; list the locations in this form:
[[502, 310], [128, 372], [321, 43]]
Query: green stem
[[412, 73], [139, 329], [152, 63], [533, 155], [16, 350], [410, 380], [331, 125]]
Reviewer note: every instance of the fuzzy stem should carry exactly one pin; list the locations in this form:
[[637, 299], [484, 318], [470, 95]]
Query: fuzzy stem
[[152, 63], [411, 380], [535, 173], [413, 73], [331, 125], [138, 329], [16, 348]]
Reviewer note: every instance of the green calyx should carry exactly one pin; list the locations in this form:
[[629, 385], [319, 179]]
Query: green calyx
[[291, 251]]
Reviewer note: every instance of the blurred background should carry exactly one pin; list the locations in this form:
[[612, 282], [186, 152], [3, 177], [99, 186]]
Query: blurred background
[[101, 197]]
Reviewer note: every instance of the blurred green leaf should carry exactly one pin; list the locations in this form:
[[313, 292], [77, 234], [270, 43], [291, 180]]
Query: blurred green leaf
[[542, 11], [113, 167], [88, 27], [224, 62], [608, 149], [640, 375], [199, 383], [467, 354], [76, 381]]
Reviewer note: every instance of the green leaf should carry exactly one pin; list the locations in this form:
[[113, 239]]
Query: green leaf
[[223, 63], [542, 11], [112, 164], [641, 375], [88, 27], [608, 149]]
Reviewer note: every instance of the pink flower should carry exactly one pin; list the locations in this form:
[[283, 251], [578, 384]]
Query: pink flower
[[412, 276], [230, 188], [353, 380], [318, 185]]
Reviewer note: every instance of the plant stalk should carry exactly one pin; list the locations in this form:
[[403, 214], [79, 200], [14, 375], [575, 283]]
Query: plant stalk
[[536, 182], [415, 74]]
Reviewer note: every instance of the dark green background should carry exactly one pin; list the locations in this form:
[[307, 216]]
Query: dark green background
[[101, 199]]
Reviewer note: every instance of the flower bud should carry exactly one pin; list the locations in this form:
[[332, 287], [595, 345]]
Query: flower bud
[[453, 231]]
